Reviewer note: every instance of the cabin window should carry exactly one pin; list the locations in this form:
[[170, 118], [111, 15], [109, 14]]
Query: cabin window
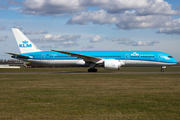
[[147, 56]]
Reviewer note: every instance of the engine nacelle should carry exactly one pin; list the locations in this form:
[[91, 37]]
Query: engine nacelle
[[112, 64]]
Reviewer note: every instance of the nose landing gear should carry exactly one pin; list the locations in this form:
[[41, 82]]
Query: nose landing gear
[[162, 68]]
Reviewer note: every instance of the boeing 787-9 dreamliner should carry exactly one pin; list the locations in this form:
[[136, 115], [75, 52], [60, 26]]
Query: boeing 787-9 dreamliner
[[112, 60]]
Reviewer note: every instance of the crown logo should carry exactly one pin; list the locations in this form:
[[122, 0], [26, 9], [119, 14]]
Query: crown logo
[[25, 42]]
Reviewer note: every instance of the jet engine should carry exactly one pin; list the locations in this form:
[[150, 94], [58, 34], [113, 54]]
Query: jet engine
[[113, 64]]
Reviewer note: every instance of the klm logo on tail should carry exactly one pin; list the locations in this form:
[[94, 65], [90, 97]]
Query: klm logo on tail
[[25, 44]]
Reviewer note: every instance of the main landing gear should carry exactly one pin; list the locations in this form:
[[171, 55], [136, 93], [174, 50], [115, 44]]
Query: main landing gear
[[92, 70]]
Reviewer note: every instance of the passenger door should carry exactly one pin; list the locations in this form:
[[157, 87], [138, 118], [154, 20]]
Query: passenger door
[[127, 56], [42, 56], [160, 57]]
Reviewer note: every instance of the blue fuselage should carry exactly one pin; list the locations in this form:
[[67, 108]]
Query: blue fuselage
[[130, 58]]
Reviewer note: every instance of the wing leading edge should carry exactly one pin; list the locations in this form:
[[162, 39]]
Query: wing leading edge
[[84, 57]]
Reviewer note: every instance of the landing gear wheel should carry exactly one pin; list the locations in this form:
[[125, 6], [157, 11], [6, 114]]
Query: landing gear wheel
[[162, 70], [95, 70], [89, 70], [92, 70]]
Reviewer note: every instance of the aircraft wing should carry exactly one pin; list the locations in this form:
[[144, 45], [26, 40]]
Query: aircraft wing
[[17, 55], [84, 57]]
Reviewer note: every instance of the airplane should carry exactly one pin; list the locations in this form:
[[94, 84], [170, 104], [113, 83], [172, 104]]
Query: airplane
[[111, 60]]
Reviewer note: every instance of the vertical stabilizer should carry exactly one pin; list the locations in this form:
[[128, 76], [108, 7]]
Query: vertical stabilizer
[[24, 44]]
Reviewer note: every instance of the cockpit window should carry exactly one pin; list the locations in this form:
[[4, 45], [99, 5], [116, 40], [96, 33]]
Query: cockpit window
[[170, 56]]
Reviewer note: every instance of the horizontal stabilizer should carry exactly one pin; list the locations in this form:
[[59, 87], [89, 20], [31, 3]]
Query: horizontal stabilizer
[[17, 55]]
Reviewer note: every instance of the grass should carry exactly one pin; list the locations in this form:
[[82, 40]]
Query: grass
[[100, 69], [90, 96]]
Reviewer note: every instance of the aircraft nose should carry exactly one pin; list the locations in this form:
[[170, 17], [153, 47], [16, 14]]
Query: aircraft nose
[[175, 61]]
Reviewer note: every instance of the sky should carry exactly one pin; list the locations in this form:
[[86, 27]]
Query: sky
[[92, 25]]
